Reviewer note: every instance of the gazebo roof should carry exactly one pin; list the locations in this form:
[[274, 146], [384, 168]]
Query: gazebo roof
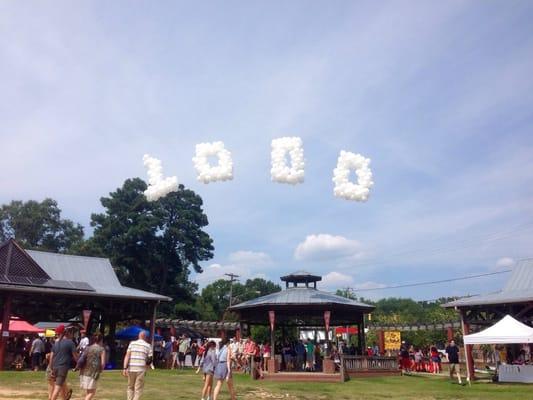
[[301, 276], [302, 296]]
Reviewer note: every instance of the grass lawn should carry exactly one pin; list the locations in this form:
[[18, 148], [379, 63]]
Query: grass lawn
[[171, 385]]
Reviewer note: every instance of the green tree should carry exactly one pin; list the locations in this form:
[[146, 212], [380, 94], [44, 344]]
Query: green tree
[[153, 245], [39, 226], [215, 296]]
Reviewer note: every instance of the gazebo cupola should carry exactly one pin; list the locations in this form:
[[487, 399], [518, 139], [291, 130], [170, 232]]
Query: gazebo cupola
[[301, 279]]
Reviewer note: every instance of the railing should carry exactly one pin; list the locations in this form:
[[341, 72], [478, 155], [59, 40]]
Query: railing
[[363, 364]]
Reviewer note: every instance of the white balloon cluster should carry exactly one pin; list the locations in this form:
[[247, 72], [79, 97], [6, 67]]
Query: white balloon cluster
[[207, 173], [280, 171], [343, 187], [157, 186]]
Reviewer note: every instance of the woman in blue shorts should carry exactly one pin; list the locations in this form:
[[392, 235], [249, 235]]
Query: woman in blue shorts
[[223, 370], [208, 364]]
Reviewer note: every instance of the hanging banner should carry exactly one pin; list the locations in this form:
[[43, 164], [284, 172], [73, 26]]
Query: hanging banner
[[327, 316], [393, 340], [86, 317], [352, 330], [272, 318]]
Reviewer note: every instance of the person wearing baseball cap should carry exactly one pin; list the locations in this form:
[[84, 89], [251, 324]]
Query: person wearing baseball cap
[[61, 359]]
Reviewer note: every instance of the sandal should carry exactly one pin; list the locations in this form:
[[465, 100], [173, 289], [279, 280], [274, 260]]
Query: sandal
[[69, 394]]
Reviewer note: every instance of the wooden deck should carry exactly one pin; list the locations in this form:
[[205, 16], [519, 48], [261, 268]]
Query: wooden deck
[[303, 377], [351, 367], [362, 366]]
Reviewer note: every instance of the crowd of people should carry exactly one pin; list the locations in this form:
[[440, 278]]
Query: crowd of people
[[215, 359], [248, 355], [429, 359]]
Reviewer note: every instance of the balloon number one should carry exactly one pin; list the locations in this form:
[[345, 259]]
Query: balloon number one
[[157, 186]]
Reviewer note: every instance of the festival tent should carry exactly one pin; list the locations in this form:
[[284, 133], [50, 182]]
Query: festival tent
[[19, 326], [132, 333], [506, 331]]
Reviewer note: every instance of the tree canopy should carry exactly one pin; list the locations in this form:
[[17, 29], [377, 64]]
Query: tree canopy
[[214, 299], [405, 311], [39, 226], [153, 245]]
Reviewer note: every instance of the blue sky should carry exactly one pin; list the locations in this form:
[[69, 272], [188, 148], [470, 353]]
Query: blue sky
[[438, 94]]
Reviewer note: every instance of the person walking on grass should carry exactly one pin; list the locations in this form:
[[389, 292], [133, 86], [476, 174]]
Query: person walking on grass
[[37, 353], [208, 364], [223, 370], [62, 357], [452, 351], [94, 364], [138, 357]]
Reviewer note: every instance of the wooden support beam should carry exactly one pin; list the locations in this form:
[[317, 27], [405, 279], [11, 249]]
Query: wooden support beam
[[4, 334], [152, 323], [381, 342], [468, 349], [524, 311]]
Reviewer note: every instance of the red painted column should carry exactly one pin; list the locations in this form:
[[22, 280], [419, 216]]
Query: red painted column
[[381, 341], [449, 333], [4, 334]]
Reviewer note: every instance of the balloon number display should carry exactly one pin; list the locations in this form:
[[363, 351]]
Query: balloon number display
[[287, 166]]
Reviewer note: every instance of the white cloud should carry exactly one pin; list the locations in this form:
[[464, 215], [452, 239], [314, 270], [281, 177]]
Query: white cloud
[[504, 263], [336, 280], [250, 258], [323, 247]]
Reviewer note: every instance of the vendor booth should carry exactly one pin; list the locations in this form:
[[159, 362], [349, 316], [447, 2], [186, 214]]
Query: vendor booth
[[507, 331], [132, 333], [18, 326]]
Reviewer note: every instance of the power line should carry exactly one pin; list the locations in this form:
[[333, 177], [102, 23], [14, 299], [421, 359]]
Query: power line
[[430, 282]]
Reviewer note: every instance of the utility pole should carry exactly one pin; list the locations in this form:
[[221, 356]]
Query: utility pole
[[232, 279]]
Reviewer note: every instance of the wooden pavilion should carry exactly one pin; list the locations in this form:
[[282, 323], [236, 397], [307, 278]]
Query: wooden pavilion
[[515, 299], [38, 286], [301, 304]]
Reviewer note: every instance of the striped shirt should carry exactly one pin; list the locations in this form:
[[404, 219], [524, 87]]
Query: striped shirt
[[139, 352]]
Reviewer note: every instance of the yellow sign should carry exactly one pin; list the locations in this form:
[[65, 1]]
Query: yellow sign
[[393, 340]]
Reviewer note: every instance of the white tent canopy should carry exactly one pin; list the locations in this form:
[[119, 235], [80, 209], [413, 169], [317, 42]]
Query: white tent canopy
[[506, 331]]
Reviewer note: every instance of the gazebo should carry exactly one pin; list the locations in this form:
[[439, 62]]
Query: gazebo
[[301, 304]]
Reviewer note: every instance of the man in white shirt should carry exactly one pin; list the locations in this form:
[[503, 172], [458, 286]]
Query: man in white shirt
[[138, 357], [84, 342]]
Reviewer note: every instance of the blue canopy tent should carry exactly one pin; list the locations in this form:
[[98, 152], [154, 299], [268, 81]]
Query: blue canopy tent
[[132, 333]]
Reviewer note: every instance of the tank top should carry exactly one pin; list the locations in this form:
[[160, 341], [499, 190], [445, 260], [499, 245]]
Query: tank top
[[223, 354]]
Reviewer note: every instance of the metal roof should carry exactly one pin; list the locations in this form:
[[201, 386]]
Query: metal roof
[[301, 276], [300, 296], [97, 272], [518, 289]]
